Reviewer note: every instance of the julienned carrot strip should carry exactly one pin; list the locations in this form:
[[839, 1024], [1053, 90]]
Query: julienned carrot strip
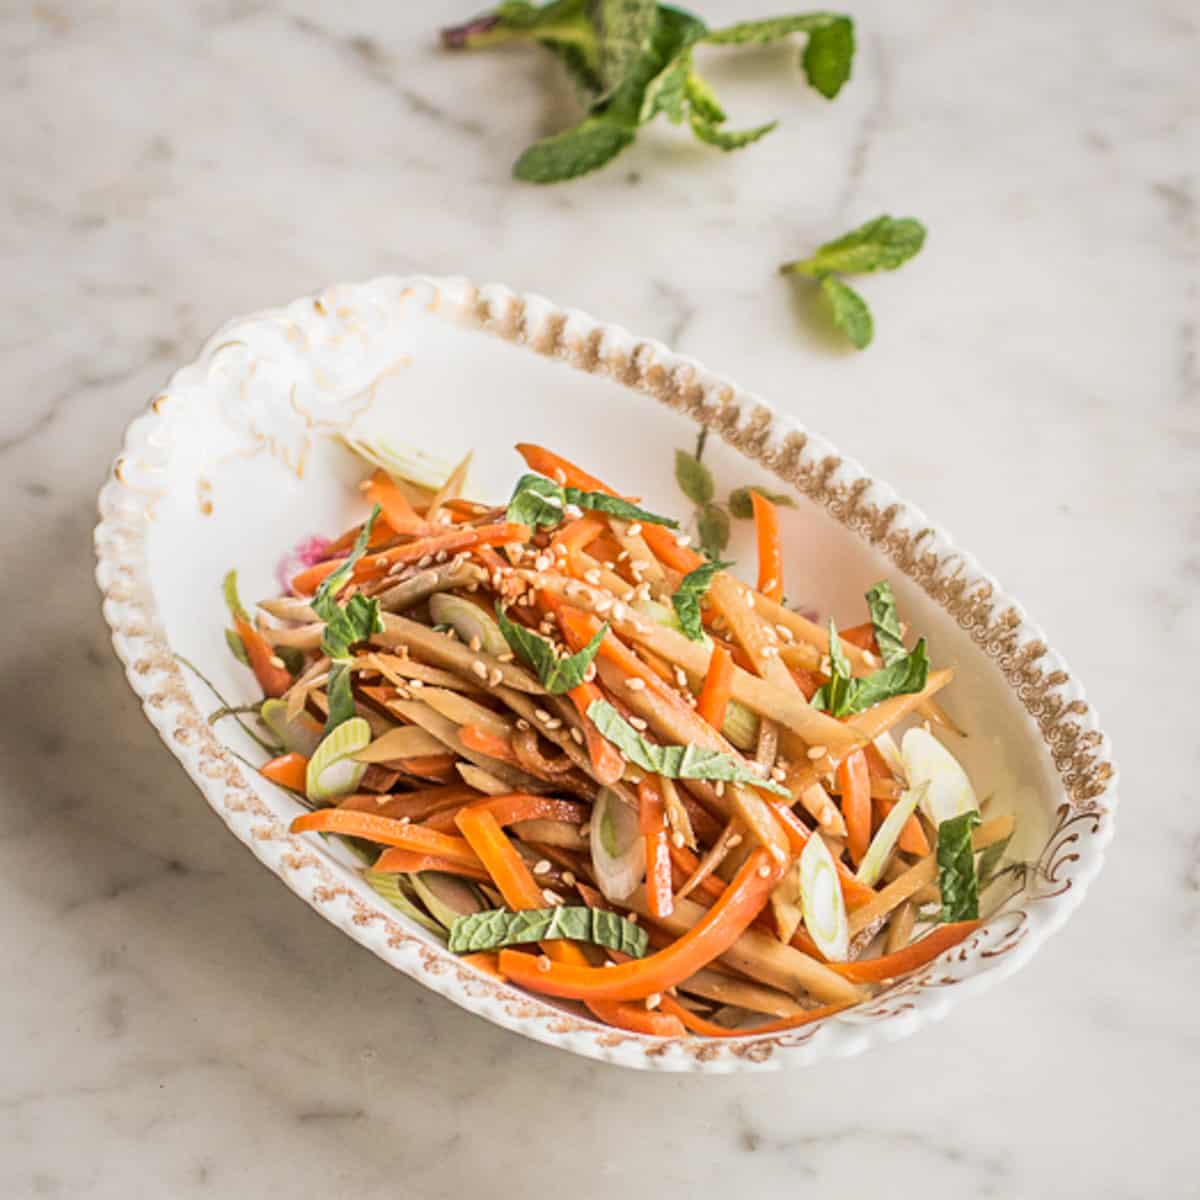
[[485, 961], [854, 893], [854, 781], [809, 682], [407, 862], [926, 949], [652, 821], [439, 768], [516, 806], [374, 566], [718, 684], [862, 636], [688, 864], [770, 548], [397, 511], [381, 534], [288, 770], [576, 535], [912, 836], [709, 938], [416, 806], [486, 742], [387, 832], [706, 1028], [273, 677]]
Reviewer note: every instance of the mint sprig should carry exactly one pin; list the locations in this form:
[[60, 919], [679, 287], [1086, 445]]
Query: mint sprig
[[880, 245], [557, 675], [632, 60], [540, 502], [844, 695], [956, 868], [497, 927], [686, 601]]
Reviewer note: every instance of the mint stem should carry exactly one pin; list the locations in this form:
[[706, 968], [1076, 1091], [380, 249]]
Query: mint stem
[[481, 31]]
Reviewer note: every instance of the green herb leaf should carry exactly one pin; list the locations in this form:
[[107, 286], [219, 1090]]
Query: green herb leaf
[[694, 478], [728, 139], [237, 647], [880, 245], [574, 152], [888, 635], [843, 695], [496, 928], [558, 675], [562, 20], [292, 658], [742, 507], [713, 526], [770, 29], [339, 696], [536, 501], [686, 601], [989, 862], [623, 29], [956, 868], [675, 762], [324, 603], [828, 56], [849, 310], [703, 100], [667, 92], [352, 622], [389, 885]]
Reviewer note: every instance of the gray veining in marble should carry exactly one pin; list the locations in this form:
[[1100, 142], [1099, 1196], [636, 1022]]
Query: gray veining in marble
[[173, 1022]]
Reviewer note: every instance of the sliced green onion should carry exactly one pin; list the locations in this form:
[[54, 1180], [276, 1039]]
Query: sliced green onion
[[740, 725], [389, 886], [301, 735], [927, 762], [884, 842], [469, 621], [331, 770], [890, 752], [446, 896], [403, 462], [822, 902], [618, 856]]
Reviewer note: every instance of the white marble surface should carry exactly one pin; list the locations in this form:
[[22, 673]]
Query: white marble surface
[[172, 1021]]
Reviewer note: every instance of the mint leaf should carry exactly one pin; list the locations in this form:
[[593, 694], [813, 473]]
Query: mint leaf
[[728, 139], [496, 928], [694, 478], [742, 506], [713, 527], [880, 245], [352, 622], [989, 862], [675, 762], [536, 501], [843, 695], [703, 99], [686, 601], [567, 155], [324, 603], [956, 868], [558, 675], [770, 29], [888, 635], [667, 92], [623, 29], [339, 696], [849, 310], [828, 56], [563, 20]]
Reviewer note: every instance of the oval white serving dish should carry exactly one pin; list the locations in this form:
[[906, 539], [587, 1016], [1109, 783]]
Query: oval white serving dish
[[238, 458]]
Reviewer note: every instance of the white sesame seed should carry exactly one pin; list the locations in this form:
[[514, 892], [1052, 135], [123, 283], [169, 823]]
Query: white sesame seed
[[734, 839], [543, 962], [475, 644], [590, 673], [426, 560], [542, 562], [495, 678], [577, 737], [654, 1000], [604, 604], [769, 585], [637, 723], [441, 556], [681, 677], [683, 540], [764, 871], [479, 669], [551, 896], [592, 576], [276, 661], [870, 659], [406, 820], [622, 556], [573, 511], [635, 529], [542, 866], [678, 839], [815, 752], [568, 877], [749, 598], [554, 723], [719, 787], [416, 683], [785, 633], [560, 475], [523, 724], [541, 714], [635, 684], [778, 774]]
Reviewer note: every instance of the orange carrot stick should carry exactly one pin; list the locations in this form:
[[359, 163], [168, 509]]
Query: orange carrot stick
[[652, 821], [770, 548], [483, 960], [387, 832], [576, 535], [288, 770], [486, 742], [706, 1028], [718, 685], [407, 862], [854, 781], [517, 806], [862, 636], [375, 566], [854, 893], [912, 838], [397, 511], [709, 938], [273, 677], [926, 949], [416, 806]]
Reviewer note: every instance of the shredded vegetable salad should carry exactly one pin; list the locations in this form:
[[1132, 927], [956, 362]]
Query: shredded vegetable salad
[[602, 767]]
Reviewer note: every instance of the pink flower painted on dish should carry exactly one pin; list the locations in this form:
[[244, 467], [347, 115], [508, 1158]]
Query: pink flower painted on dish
[[304, 554]]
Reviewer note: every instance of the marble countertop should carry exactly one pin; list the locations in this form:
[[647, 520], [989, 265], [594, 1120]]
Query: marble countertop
[[175, 1023]]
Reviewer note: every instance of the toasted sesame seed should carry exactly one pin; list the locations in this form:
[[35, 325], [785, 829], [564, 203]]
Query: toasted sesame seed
[[541, 714], [590, 673], [592, 576], [719, 787], [542, 866], [622, 556], [416, 683], [815, 752], [678, 839], [506, 657], [635, 529], [764, 871], [637, 723], [734, 839], [543, 962], [632, 918], [635, 684], [475, 644], [496, 677], [683, 540], [785, 633], [523, 724], [441, 556], [276, 661], [654, 1000], [551, 896], [778, 774], [542, 562], [870, 659], [479, 669], [577, 736], [554, 723], [573, 511], [568, 877], [426, 560]]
